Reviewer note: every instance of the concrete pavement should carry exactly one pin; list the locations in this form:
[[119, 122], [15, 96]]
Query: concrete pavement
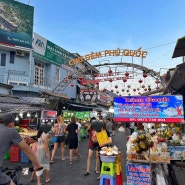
[[62, 173]]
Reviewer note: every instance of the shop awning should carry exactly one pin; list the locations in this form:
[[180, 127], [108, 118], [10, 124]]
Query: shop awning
[[16, 104], [95, 107], [177, 79], [179, 50]]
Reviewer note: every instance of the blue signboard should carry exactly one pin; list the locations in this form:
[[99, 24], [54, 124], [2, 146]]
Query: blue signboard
[[138, 174], [149, 109]]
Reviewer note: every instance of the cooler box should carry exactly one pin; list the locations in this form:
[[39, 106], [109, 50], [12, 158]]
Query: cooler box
[[15, 154], [24, 158]]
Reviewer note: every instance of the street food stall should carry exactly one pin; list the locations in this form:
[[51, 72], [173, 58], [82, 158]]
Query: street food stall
[[159, 137]]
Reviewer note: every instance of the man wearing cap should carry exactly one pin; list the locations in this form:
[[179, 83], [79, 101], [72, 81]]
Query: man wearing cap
[[10, 136]]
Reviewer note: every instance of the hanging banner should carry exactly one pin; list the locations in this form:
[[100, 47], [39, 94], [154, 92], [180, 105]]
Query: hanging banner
[[48, 114], [138, 174], [88, 95], [149, 109]]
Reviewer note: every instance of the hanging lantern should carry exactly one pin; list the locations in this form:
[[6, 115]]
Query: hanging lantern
[[144, 75], [149, 89], [112, 90], [157, 82], [127, 90], [72, 85], [95, 75], [110, 72], [129, 86], [83, 83], [127, 74], [145, 89], [138, 88], [110, 80], [140, 81], [134, 90], [117, 92], [116, 86], [129, 94], [143, 86], [124, 80], [122, 90], [80, 78]]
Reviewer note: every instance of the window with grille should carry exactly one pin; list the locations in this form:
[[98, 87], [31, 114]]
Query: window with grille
[[57, 74], [39, 74]]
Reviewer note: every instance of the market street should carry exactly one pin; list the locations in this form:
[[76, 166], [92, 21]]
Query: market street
[[65, 174]]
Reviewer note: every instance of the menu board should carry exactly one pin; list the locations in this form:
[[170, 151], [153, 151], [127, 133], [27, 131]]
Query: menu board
[[138, 174], [150, 109]]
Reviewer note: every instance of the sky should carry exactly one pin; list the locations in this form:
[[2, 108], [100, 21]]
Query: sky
[[83, 27]]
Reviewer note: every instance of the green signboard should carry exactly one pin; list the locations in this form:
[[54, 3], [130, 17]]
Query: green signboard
[[50, 52], [16, 23], [79, 115]]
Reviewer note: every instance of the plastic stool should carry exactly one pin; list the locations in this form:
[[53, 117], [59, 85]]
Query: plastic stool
[[108, 169], [105, 178]]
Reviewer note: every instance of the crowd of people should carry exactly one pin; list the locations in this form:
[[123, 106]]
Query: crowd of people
[[61, 135]]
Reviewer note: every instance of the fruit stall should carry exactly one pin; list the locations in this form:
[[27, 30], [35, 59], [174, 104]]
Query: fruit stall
[[158, 139]]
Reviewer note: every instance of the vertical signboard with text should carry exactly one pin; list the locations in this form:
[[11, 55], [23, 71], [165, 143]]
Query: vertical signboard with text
[[16, 23], [138, 174]]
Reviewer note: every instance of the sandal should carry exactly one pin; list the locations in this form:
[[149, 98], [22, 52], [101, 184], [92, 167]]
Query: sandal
[[71, 162], [97, 172], [51, 161], [87, 173], [48, 181]]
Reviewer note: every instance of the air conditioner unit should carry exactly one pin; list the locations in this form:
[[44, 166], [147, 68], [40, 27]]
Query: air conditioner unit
[[19, 53]]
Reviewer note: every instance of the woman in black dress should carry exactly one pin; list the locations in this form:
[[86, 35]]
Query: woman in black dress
[[72, 131]]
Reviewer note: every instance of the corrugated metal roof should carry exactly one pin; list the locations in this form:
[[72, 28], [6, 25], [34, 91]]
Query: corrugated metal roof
[[17, 104]]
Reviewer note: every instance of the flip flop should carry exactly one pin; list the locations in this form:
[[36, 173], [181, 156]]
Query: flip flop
[[87, 173], [48, 181]]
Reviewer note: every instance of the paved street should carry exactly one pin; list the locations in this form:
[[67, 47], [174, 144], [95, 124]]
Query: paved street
[[65, 174]]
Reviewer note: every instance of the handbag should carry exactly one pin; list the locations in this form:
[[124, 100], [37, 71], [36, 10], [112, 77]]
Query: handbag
[[103, 138]]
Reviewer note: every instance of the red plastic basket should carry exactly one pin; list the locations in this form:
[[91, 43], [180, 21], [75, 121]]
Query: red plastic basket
[[15, 154]]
